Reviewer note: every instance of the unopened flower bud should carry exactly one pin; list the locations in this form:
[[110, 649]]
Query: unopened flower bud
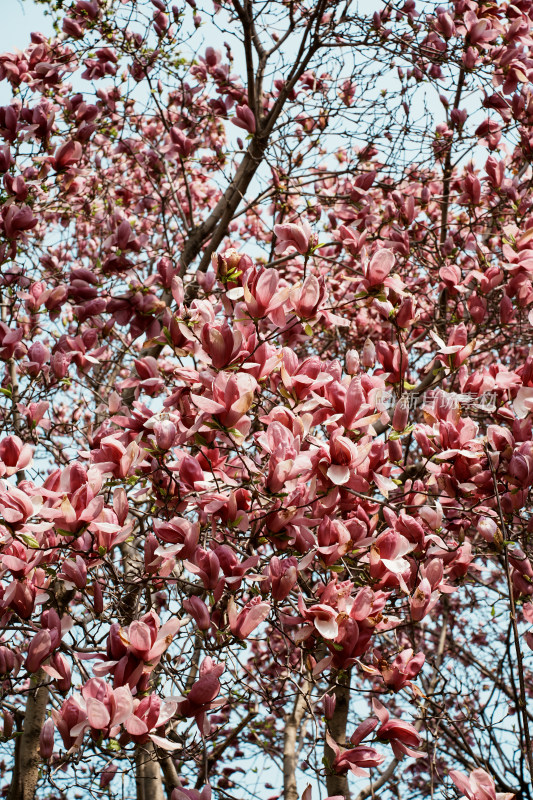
[[165, 434], [401, 415], [330, 701], [352, 362], [46, 739], [368, 358]]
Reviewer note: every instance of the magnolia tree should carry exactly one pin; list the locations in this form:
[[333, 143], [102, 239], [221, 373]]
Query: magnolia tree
[[266, 401]]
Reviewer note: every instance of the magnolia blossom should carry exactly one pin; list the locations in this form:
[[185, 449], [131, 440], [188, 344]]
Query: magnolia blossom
[[357, 760], [253, 614], [14, 455], [297, 236], [403, 736], [478, 786]]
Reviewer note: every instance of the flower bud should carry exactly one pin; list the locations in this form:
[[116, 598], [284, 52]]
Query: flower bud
[[165, 434], [401, 415], [60, 362], [394, 447], [487, 528], [330, 701], [107, 775], [46, 739], [352, 362], [369, 354], [198, 610]]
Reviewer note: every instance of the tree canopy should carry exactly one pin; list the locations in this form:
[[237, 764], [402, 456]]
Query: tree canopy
[[266, 401]]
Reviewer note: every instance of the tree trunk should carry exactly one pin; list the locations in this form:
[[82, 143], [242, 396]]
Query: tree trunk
[[338, 784], [292, 724], [27, 758], [148, 773]]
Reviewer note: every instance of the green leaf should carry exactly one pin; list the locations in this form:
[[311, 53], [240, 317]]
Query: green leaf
[[29, 540], [113, 745]]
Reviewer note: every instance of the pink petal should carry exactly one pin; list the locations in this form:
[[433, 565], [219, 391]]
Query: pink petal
[[97, 714], [338, 474], [327, 628], [136, 726], [165, 745]]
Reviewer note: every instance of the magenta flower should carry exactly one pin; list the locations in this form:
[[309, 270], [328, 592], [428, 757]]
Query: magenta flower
[[479, 786], [357, 759], [299, 237], [14, 455], [244, 622], [403, 736]]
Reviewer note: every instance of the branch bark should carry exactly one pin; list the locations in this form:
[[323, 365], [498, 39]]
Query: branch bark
[[26, 758], [338, 784], [148, 773], [292, 723]]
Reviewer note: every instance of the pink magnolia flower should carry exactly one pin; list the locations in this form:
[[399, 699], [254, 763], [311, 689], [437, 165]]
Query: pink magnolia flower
[[66, 155], [201, 698], [480, 31], [165, 434], [344, 457], [59, 669], [108, 774], [404, 667], [198, 610], [181, 793], [357, 759], [221, 344], [458, 348], [151, 714], [479, 786], [263, 296], [283, 574], [387, 559], [322, 616], [104, 709], [147, 638], [334, 540], [233, 396], [67, 718], [299, 237], [181, 533], [252, 615], [135, 651], [9, 661], [74, 573], [16, 507], [402, 736], [14, 455], [244, 118], [18, 219], [98, 708], [423, 600], [46, 640], [286, 464], [379, 267], [352, 240], [307, 297], [116, 458]]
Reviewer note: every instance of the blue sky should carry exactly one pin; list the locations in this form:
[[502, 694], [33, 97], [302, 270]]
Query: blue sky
[[18, 21]]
